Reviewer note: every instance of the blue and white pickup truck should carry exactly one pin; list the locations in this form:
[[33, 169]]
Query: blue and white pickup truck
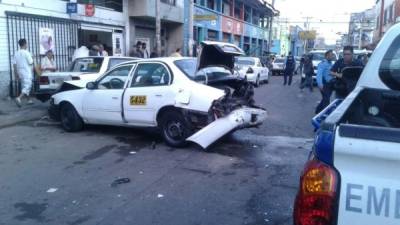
[[353, 174]]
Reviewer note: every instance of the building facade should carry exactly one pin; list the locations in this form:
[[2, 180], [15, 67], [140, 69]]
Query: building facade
[[387, 14], [296, 43], [241, 22], [48, 25], [361, 28]]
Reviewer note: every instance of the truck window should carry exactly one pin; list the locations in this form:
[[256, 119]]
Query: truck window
[[389, 70]]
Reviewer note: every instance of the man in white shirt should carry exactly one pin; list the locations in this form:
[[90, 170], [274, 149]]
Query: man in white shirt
[[146, 54], [23, 64]]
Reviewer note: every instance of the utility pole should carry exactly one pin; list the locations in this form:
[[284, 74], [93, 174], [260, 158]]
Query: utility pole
[[158, 28], [191, 8], [271, 21]]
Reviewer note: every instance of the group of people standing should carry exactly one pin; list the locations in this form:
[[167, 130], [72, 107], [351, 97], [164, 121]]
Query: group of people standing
[[328, 73], [140, 51]]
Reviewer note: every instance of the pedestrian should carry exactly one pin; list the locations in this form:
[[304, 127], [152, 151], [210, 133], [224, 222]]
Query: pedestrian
[[290, 65], [137, 52], [102, 51], [48, 64], [346, 61], [325, 81], [94, 51], [146, 54], [309, 72], [154, 53], [301, 66], [23, 68], [177, 53]]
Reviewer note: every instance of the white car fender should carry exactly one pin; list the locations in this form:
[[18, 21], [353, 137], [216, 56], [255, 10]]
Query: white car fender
[[199, 100], [74, 97]]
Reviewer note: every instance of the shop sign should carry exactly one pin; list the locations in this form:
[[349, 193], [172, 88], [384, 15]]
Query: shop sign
[[89, 9], [205, 18], [72, 7]]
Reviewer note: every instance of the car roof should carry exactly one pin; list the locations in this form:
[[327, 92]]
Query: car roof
[[162, 59]]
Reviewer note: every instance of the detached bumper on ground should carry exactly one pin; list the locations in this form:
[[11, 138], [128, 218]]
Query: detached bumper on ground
[[238, 119]]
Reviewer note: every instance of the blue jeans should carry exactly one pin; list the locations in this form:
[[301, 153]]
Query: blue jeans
[[285, 77]]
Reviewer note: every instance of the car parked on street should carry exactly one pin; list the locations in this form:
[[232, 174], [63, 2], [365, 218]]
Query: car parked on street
[[278, 66], [252, 69], [352, 174], [187, 99], [85, 69]]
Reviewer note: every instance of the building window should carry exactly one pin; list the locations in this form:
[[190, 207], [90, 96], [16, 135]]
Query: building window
[[226, 8], [169, 2], [211, 4]]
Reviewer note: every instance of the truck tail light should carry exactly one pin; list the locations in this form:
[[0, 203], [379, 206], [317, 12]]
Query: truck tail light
[[43, 80], [316, 201], [250, 70]]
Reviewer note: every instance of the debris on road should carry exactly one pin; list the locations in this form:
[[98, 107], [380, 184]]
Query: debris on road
[[52, 190], [120, 181]]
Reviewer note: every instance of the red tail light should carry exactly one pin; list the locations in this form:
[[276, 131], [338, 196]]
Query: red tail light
[[76, 78], [43, 80], [316, 202]]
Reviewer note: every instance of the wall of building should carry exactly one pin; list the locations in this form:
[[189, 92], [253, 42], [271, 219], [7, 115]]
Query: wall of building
[[52, 8]]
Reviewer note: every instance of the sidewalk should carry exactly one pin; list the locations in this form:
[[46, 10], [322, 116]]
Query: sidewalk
[[11, 114]]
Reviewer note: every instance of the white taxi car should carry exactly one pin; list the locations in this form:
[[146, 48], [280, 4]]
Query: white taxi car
[[174, 94], [252, 69], [85, 69]]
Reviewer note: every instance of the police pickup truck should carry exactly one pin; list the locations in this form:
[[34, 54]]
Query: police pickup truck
[[352, 176]]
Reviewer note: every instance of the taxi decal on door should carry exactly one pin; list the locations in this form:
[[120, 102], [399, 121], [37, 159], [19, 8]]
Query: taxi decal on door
[[138, 100]]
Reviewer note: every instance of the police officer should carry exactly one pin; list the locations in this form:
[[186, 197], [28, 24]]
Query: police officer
[[290, 66]]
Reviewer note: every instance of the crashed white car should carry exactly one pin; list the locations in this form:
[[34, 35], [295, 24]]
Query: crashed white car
[[173, 94], [252, 69], [85, 69]]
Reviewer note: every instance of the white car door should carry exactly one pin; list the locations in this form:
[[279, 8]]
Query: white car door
[[149, 90], [102, 105]]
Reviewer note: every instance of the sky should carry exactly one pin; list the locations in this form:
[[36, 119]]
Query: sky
[[328, 11]]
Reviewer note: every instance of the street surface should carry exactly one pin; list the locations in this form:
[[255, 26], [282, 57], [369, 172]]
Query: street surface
[[49, 176]]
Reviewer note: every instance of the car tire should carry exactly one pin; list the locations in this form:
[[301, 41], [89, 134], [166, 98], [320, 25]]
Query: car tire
[[267, 81], [70, 119], [174, 129]]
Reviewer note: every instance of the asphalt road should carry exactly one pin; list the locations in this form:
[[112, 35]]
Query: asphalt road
[[52, 177]]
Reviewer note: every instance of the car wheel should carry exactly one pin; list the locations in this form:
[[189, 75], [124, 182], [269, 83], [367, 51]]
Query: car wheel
[[175, 129], [257, 84], [267, 81], [70, 119]]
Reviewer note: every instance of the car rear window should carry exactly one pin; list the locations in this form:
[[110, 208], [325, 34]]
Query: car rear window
[[187, 66], [87, 65], [245, 61], [389, 70]]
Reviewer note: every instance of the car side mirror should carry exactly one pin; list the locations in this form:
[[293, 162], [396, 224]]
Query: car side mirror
[[91, 85]]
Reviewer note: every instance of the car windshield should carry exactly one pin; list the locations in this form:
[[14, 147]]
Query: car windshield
[[318, 56], [87, 65], [115, 61], [244, 61]]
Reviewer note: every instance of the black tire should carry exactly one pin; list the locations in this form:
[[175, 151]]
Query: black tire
[[70, 119], [266, 81], [174, 128]]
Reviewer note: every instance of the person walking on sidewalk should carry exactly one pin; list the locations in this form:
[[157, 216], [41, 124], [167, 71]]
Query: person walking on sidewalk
[[290, 65], [23, 67], [325, 81], [309, 72]]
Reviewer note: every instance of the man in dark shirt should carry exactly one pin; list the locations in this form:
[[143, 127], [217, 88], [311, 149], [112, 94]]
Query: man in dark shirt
[[346, 61], [290, 65]]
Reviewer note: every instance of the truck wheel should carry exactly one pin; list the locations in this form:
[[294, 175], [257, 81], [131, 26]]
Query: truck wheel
[[174, 129], [70, 119]]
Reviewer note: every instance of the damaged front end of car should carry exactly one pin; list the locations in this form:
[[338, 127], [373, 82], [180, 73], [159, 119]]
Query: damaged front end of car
[[236, 109]]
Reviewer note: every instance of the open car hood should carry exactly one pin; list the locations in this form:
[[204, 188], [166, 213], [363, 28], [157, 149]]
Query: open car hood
[[218, 54]]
